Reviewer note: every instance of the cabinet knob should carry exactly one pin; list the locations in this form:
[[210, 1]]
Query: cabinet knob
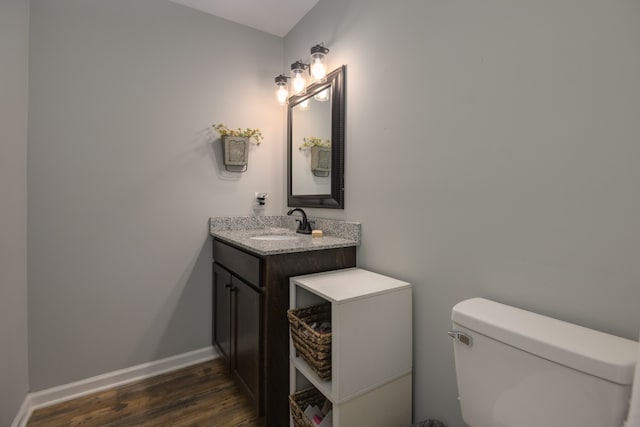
[[233, 290], [227, 286]]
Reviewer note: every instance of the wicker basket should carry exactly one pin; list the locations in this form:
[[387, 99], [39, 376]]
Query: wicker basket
[[298, 402], [312, 346]]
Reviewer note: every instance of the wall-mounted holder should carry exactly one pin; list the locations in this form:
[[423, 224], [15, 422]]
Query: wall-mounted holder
[[320, 161], [235, 146], [236, 153], [261, 200]]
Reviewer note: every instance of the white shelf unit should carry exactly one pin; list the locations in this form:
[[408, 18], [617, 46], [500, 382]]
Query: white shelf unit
[[371, 353]]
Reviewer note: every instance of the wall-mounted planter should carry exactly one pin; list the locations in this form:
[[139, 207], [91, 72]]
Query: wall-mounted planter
[[235, 150], [320, 160]]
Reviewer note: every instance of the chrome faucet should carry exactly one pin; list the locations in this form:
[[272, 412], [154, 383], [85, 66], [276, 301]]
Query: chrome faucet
[[305, 226]]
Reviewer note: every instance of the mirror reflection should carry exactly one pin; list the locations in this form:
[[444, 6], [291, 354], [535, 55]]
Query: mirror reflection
[[311, 144], [315, 143]]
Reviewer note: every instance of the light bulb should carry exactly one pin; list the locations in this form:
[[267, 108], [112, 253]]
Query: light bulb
[[282, 94], [298, 84], [317, 69], [322, 96], [304, 105], [281, 89]]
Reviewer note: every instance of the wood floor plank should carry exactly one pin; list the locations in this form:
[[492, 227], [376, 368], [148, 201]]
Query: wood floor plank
[[200, 395]]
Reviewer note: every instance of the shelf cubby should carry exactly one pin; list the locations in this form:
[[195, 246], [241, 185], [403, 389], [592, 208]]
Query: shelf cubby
[[371, 352]]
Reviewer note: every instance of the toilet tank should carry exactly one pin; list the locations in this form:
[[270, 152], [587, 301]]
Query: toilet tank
[[516, 368]]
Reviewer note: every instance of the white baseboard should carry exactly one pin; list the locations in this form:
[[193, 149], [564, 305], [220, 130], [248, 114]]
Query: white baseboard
[[51, 396], [23, 413]]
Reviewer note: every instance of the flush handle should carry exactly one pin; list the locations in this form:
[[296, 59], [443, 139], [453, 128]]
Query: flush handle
[[461, 336]]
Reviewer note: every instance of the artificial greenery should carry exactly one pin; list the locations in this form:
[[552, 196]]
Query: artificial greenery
[[312, 141], [254, 134]]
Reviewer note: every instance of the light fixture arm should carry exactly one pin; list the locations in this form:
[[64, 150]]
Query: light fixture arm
[[299, 65], [319, 48], [281, 79]]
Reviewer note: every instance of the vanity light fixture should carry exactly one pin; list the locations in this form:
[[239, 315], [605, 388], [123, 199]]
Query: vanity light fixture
[[317, 69], [318, 64], [281, 89], [298, 80]]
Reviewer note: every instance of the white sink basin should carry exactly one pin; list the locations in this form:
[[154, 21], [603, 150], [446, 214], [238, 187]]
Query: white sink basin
[[275, 237]]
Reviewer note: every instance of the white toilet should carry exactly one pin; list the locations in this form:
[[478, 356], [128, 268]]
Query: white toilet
[[520, 369]]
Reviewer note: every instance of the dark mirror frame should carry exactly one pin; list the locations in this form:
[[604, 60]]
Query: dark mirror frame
[[335, 200]]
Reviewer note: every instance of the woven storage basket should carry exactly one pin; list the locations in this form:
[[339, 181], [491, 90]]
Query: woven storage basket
[[299, 401], [312, 346]]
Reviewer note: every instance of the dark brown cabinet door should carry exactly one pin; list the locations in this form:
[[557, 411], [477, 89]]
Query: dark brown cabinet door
[[237, 332], [222, 312], [247, 339]]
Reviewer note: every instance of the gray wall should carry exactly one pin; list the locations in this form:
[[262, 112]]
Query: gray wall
[[491, 150], [123, 177], [14, 44]]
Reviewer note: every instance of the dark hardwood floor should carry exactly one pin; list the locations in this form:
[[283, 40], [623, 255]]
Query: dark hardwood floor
[[199, 395]]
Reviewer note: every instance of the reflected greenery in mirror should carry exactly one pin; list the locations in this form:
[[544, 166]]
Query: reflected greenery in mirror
[[315, 144]]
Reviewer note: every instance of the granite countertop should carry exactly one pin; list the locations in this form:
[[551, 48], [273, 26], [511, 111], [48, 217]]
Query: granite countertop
[[240, 230]]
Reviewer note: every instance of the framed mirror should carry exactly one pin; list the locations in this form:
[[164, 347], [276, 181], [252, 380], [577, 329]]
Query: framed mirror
[[315, 145]]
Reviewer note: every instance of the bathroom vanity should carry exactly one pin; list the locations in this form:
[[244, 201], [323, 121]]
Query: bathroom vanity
[[253, 259]]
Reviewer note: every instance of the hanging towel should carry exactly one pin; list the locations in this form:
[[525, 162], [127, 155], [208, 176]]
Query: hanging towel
[[633, 419]]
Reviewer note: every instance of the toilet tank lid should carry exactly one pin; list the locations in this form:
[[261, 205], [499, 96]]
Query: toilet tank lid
[[592, 352]]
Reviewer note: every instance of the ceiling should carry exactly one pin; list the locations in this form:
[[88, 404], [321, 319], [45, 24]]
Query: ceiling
[[271, 16]]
